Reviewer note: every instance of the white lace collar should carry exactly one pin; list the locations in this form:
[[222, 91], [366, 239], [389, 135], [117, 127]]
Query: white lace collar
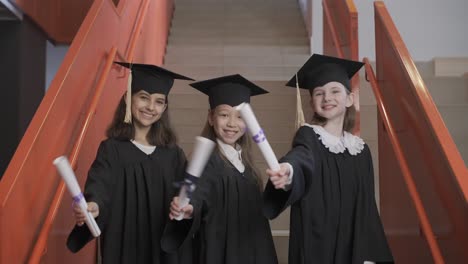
[[334, 144], [234, 155]]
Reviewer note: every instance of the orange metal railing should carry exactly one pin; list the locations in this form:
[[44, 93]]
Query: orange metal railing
[[427, 229], [416, 153], [340, 30], [340, 38], [41, 242], [72, 118]]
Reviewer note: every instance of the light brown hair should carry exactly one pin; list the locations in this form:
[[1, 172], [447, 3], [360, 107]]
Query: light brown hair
[[161, 133]]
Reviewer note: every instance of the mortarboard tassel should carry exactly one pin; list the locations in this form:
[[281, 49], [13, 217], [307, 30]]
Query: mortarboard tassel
[[128, 100], [299, 113]]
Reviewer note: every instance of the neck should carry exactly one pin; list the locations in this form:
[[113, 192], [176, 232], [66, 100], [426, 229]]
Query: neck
[[334, 127], [232, 145], [140, 135]]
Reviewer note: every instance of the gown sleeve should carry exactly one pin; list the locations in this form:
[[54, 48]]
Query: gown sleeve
[[302, 158], [98, 189]]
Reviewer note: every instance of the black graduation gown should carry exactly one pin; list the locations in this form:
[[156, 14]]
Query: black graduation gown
[[133, 191], [334, 217], [228, 223]]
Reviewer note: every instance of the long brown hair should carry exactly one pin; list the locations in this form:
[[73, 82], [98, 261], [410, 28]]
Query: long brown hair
[[245, 142], [349, 118], [161, 133]]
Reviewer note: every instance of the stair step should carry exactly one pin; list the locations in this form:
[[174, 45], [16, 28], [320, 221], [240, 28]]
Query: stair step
[[456, 119], [257, 72], [443, 90], [190, 116], [267, 101], [281, 245], [274, 87], [197, 72], [282, 221], [241, 51], [450, 66], [368, 121], [195, 50], [448, 90], [194, 60]]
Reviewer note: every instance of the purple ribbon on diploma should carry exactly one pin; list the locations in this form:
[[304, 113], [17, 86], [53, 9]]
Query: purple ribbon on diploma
[[190, 183], [77, 198], [259, 137]]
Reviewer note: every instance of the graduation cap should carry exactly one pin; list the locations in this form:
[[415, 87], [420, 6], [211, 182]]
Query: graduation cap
[[231, 90], [318, 71], [150, 78]]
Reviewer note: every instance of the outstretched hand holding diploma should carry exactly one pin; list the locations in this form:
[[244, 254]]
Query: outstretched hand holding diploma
[[279, 173], [180, 207], [280, 178], [85, 214], [80, 216]]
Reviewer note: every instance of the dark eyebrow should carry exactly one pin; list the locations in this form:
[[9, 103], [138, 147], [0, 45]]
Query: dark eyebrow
[[143, 92]]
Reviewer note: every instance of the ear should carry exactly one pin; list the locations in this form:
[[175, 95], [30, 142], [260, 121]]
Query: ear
[[350, 99], [210, 117]]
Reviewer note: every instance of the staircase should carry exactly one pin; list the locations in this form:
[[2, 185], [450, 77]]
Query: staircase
[[265, 41]]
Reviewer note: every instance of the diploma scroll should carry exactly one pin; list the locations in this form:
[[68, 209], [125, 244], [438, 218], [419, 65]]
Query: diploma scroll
[[258, 136], [201, 153], [68, 176]]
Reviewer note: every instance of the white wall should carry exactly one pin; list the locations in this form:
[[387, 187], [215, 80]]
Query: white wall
[[54, 58], [429, 28]]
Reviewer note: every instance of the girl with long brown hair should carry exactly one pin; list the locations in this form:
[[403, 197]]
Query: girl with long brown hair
[[129, 185]]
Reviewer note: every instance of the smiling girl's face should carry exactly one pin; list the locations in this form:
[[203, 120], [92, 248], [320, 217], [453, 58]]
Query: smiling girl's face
[[227, 124], [147, 108], [331, 100]]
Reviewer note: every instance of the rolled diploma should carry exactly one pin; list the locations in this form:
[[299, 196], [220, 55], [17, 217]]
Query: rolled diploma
[[258, 136], [65, 170], [201, 153]]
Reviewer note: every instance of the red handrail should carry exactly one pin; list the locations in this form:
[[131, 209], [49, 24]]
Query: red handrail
[[137, 30], [41, 242], [333, 29], [422, 215], [341, 19], [40, 246], [430, 113], [434, 173]]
